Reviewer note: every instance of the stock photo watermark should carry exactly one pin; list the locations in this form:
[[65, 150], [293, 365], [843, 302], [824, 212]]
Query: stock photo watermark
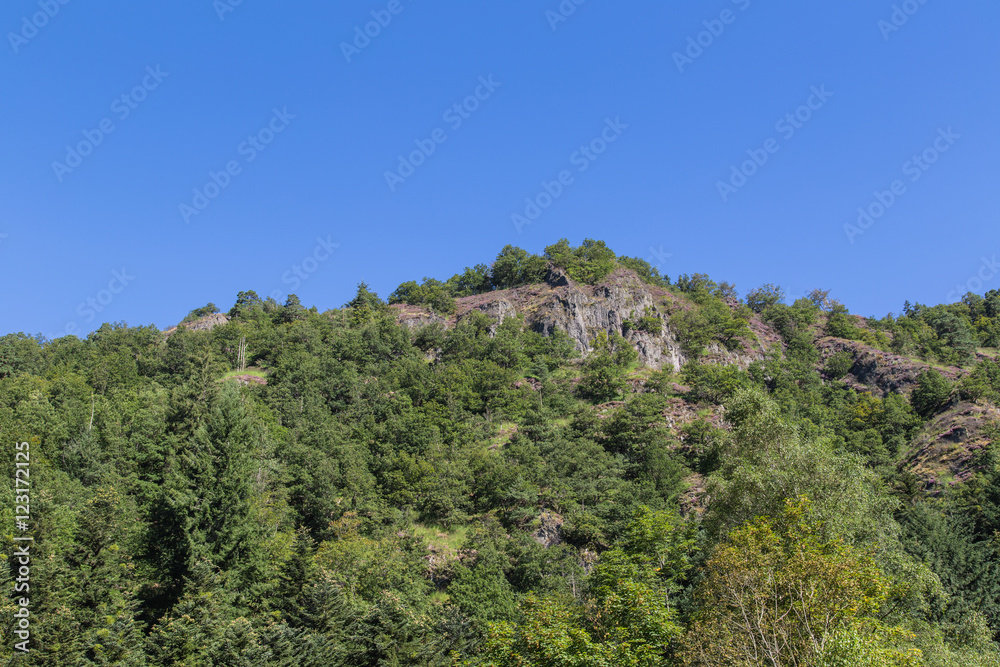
[[30, 25], [254, 145], [696, 44], [915, 168], [657, 257], [223, 7], [581, 158], [122, 107], [20, 560], [363, 36], [455, 116], [901, 14], [787, 126], [562, 13], [306, 267], [89, 308], [988, 269]]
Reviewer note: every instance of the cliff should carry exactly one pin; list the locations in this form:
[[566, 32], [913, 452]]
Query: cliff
[[583, 311]]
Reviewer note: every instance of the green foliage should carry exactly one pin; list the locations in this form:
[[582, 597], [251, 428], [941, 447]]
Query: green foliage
[[431, 293], [714, 383], [514, 267], [589, 263], [778, 590], [246, 302], [763, 297], [840, 323], [982, 384], [931, 393], [604, 371], [382, 496], [623, 619], [648, 322], [838, 364], [713, 320], [199, 313], [648, 273]]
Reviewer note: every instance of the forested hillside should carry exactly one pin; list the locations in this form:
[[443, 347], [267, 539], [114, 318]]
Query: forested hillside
[[557, 459]]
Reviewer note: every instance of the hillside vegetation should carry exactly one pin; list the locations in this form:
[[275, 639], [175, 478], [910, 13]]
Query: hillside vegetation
[[557, 459]]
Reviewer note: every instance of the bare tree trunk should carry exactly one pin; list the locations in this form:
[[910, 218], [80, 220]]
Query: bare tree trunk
[[241, 362]]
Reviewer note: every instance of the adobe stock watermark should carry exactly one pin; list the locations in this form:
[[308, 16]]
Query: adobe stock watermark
[[901, 14], [581, 158], [122, 107], [714, 28], [787, 126], [30, 25], [988, 269], [381, 18], [562, 13], [305, 268], [455, 116], [658, 257], [89, 308], [254, 145], [223, 7], [915, 168]]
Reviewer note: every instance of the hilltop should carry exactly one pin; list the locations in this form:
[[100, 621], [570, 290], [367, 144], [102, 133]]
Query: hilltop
[[549, 446]]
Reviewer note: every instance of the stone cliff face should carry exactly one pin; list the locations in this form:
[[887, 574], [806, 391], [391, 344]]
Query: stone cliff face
[[206, 323], [876, 371], [584, 311]]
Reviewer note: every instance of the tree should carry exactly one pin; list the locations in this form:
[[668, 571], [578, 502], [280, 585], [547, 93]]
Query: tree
[[471, 281], [605, 369], [199, 313], [930, 394], [840, 323], [365, 305], [765, 296], [245, 302], [777, 593], [514, 267], [766, 460]]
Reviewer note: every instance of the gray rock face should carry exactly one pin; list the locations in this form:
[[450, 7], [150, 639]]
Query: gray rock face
[[206, 323], [584, 311], [549, 529]]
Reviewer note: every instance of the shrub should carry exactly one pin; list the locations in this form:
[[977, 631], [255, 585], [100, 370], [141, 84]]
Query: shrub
[[839, 364], [930, 394]]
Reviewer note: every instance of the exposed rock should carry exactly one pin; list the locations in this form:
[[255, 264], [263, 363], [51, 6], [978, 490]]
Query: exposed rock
[[946, 449], [556, 277], [548, 533], [498, 310], [879, 372], [415, 317], [584, 311], [206, 323], [249, 379]]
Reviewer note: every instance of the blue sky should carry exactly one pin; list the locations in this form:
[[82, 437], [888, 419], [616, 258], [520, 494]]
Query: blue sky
[[290, 118]]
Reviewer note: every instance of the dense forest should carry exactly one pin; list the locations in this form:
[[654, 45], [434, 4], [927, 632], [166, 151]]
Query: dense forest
[[417, 480]]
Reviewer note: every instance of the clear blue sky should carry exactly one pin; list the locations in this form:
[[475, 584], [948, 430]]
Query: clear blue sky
[[200, 78]]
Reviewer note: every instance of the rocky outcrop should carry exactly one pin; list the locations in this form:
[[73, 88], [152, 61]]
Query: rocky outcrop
[[415, 317], [879, 372], [945, 452], [548, 532], [206, 323], [584, 311]]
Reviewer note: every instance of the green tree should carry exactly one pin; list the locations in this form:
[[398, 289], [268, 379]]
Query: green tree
[[930, 394], [514, 267], [777, 592], [604, 371], [763, 297]]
